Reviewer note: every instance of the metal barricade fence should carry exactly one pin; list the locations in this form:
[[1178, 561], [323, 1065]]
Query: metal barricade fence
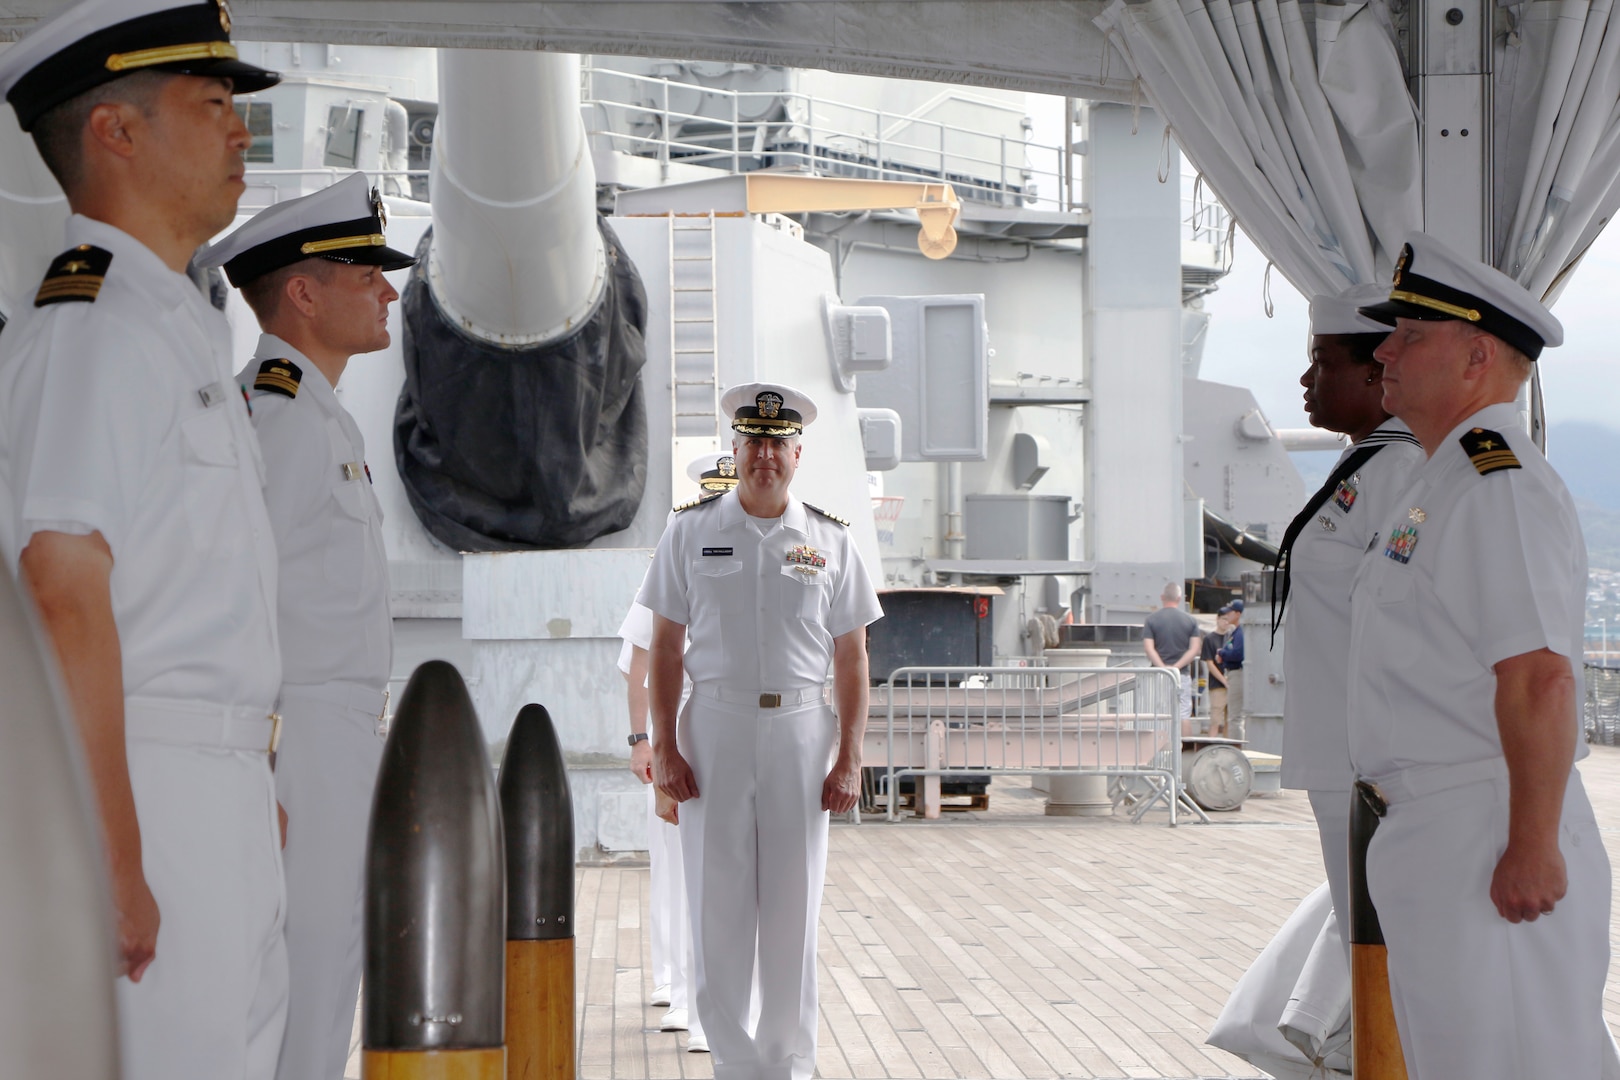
[[1602, 706], [1122, 723]]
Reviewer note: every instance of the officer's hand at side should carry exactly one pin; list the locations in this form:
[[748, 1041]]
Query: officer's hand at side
[[666, 808], [842, 787], [673, 775], [138, 920], [1528, 882], [641, 761]]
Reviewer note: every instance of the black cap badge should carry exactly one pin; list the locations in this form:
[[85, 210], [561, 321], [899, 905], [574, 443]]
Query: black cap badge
[[377, 206], [768, 404], [727, 465]]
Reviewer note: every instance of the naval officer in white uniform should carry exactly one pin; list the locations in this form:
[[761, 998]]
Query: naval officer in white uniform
[[1490, 879], [131, 505], [1321, 549], [317, 310], [773, 595], [669, 928]]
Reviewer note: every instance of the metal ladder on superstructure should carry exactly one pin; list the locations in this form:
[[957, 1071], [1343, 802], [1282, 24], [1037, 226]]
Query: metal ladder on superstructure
[[694, 357]]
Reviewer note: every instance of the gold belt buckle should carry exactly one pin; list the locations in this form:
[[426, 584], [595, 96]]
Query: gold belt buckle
[[770, 701]]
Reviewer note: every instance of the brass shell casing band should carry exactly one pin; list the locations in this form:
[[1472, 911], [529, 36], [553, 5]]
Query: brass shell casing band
[[316, 247], [1432, 304], [171, 54]]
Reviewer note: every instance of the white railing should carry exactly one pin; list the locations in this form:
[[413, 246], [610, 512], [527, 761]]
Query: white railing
[[743, 130], [1122, 723]]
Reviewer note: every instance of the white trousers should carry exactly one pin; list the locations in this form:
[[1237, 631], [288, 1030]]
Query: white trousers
[[669, 917], [1332, 810], [755, 845], [325, 774], [1476, 995], [214, 1000]]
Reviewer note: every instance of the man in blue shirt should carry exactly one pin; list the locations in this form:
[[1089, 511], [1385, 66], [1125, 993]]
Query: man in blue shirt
[[1231, 656]]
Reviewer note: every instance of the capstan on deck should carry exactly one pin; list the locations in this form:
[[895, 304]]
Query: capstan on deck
[[1006, 944]]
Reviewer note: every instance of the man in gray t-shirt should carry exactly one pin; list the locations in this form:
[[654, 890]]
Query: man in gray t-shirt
[[1170, 639]]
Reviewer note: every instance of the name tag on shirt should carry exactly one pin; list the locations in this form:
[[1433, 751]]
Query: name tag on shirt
[[716, 551], [212, 395]]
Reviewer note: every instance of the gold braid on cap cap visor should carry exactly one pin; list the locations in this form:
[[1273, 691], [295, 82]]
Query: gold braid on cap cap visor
[[757, 425], [1456, 312], [171, 54], [316, 247]]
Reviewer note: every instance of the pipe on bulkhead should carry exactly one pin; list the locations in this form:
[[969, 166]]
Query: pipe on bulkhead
[[517, 258]]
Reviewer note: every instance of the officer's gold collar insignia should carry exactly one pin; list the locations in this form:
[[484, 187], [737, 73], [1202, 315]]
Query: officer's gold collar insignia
[[279, 377], [701, 501], [1488, 451], [77, 274], [828, 514]]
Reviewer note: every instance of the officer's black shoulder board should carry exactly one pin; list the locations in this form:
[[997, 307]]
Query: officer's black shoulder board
[[703, 501], [279, 377], [1488, 451], [76, 274], [829, 515]]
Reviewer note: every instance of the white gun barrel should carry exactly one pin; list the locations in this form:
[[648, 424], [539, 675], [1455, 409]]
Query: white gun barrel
[[517, 258]]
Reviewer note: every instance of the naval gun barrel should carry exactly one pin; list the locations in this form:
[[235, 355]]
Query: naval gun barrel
[[517, 258], [57, 1016], [538, 812], [435, 894]]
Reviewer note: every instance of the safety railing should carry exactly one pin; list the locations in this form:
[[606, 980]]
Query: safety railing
[[742, 130], [1122, 723], [1601, 711]]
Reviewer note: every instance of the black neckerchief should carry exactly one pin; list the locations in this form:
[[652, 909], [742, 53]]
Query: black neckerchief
[[1357, 458]]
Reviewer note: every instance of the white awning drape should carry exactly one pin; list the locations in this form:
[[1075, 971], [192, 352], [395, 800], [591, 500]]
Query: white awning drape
[[1316, 152]]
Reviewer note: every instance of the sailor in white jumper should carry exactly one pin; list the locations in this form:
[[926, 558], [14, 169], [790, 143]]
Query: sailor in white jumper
[[669, 927], [774, 595], [316, 312], [1320, 552], [1490, 879]]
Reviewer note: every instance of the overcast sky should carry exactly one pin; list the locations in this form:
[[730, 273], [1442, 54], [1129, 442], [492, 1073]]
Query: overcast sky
[[1267, 355]]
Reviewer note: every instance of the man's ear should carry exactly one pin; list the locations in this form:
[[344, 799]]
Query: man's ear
[[300, 295], [112, 127], [1482, 355]]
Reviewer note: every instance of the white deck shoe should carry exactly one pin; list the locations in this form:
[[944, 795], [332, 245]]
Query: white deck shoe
[[674, 1020], [660, 996]]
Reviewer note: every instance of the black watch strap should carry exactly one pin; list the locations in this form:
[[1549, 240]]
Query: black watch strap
[[637, 737]]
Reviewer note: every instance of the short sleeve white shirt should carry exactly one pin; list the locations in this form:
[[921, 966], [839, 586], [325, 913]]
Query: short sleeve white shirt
[[1468, 570], [1316, 656], [762, 602], [333, 594], [636, 632], [120, 416]]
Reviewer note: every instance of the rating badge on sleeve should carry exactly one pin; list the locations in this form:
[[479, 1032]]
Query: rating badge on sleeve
[[1402, 541]]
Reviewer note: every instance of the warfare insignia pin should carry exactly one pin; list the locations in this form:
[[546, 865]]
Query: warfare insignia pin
[[1344, 497], [1402, 542], [768, 404], [1328, 523], [1418, 515]]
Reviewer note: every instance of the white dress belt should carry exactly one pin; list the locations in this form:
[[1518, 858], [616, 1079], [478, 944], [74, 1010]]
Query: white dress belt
[[188, 722], [762, 699], [1420, 780]]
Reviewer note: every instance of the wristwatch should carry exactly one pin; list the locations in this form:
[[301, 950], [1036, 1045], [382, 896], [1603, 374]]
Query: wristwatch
[[637, 737]]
